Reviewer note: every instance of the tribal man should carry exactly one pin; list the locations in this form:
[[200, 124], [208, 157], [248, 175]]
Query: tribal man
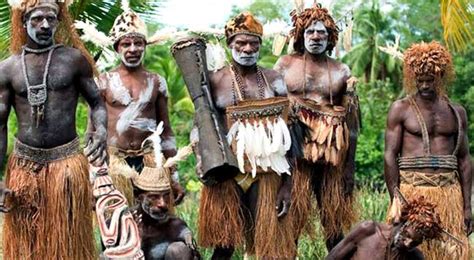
[[253, 203], [426, 145], [136, 101], [326, 127], [378, 241], [47, 171], [163, 235]]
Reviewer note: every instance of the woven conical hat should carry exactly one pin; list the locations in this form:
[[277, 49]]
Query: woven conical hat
[[153, 179]]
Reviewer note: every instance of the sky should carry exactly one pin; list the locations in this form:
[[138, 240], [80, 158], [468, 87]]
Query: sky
[[202, 13]]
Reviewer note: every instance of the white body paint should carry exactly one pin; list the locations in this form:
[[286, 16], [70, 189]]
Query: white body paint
[[312, 46], [245, 59], [279, 86], [131, 64]]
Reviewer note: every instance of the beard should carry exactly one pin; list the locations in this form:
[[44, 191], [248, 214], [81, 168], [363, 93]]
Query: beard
[[245, 59], [316, 47], [132, 64]]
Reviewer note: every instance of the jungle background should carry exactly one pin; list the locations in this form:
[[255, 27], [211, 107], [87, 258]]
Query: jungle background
[[376, 23]]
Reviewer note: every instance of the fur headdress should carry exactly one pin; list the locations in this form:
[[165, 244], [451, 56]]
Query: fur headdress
[[243, 23], [303, 20], [127, 24], [421, 215], [427, 59], [26, 6]]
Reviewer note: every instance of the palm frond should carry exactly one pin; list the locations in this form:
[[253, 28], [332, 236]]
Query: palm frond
[[458, 24]]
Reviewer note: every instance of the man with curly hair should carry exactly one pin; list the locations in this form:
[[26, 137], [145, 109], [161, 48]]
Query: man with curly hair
[[371, 240], [325, 125], [427, 148]]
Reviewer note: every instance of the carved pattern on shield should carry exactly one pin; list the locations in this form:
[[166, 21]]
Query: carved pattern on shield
[[118, 229]]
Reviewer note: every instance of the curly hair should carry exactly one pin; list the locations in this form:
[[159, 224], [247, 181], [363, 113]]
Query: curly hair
[[305, 19], [427, 59], [421, 215]]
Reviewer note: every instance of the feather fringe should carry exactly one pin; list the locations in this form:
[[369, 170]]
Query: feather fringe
[[260, 144], [91, 34], [180, 156]]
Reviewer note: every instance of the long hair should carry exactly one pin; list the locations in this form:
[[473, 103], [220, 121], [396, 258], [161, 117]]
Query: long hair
[[305, 19]]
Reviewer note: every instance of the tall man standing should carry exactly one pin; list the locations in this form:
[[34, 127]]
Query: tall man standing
[[136, 102], [426, 145], [325, 104], [250, 207], [47, 171]]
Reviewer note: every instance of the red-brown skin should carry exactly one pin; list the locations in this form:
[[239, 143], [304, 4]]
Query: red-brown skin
[[370, 240], [403, 138], [135, 80], [221, 88], [316, 87]]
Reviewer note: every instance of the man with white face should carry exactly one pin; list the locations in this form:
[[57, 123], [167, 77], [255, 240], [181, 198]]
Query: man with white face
[[229, 204], [136, 102], [323, 102], [49, 207]]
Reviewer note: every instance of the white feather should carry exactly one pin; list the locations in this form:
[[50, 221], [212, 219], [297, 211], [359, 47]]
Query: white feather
[[180, 155], [286, 134], [232, 131], [257, 140], [15, 3], [241, 147], [276, 27], [215, 56], [91, 34], [156, 142], [277, 138], [125, 5], [250, 146]]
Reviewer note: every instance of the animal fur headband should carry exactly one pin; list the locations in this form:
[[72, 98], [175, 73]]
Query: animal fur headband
[[243, 23]]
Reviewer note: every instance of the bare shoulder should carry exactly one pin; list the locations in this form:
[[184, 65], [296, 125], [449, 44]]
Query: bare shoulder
[[367, 227], [462, 114], [342, 67], [286, 61], [399, 105], [6, 68], [159, 82], [271, 74], [217, 76]]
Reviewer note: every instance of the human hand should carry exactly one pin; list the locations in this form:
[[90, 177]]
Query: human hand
[[283, 199], [4, 193], [96, 148], [468, 221], [178, 192]]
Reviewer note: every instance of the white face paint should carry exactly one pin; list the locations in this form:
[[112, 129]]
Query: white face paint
[[41, 26], [245, 59], [132, 64], [316, 38]]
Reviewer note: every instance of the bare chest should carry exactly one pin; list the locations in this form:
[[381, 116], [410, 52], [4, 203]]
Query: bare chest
[[119, 93], [371, 248], [315, 82], [227, 93], [439, 122], [59, 76]]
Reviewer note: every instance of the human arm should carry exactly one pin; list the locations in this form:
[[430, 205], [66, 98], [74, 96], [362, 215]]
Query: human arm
[[353, 124], [96, 144], [5, 106], [393, 143], [348, 246], [168, 143], [465, 169]]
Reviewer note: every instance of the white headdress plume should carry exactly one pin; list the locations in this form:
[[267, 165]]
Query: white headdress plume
[[91, 34], [156, 141], [125, 5], [299, 6], [393, 50], [16, 4]]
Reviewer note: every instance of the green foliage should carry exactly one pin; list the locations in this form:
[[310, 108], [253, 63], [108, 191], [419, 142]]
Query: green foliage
[[266, 10]]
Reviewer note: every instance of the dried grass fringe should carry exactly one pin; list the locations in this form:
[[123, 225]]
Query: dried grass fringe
[[221, 222], [273, 238], [52, 218], [338, 212], [302, 210], [449, 205]]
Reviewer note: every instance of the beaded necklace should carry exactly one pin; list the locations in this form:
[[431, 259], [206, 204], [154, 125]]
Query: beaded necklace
[[238, 85]]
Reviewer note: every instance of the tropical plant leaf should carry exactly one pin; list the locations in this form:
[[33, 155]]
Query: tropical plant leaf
[[458, 24]]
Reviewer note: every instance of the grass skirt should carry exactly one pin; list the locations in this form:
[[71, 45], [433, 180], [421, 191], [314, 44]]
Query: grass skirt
[[449, 204], [51, 218]]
